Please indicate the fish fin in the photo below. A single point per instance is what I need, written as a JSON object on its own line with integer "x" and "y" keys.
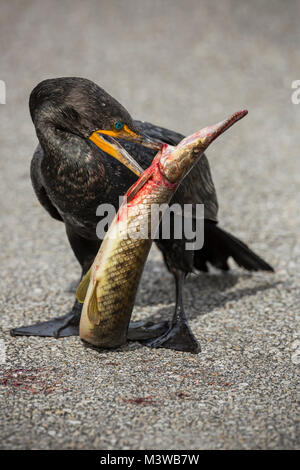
{"x": 83, "y": 287}
{"x": 141, "y": 182}
{"x": 92, "y": 308}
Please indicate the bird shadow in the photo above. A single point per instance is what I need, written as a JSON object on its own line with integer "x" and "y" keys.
{"x": 219, "y": 299}
{"x": 210, "y": 290}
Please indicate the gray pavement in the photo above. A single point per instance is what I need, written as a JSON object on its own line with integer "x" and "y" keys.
{"x": 182, "y": 65}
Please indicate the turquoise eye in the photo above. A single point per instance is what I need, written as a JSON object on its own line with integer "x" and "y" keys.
{"x": 119, "y": 125}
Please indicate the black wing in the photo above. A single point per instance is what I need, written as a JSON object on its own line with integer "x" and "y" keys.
{"x": 37, "y": 183}
{"x": 198, "y": 186}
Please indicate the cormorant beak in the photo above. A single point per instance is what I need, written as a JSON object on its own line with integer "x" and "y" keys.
{"x": 113, "y": 148}
{"x": 141, "y": 139}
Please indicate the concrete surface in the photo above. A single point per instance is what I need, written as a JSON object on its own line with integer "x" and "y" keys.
{"x": 182, "y": 65}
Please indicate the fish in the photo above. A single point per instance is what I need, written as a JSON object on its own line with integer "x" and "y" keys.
{"x": 109, "y": 288}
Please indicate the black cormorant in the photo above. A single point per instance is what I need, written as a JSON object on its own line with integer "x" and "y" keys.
{"x": 80, "y": 128}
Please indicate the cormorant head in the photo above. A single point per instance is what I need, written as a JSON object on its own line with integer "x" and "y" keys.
{"x": 81, "y": 107}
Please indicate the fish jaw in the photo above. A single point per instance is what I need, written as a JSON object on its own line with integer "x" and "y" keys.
{"x": 176, "y": 162}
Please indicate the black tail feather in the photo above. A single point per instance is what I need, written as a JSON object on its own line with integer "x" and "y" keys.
{"x": 220, "y": 245}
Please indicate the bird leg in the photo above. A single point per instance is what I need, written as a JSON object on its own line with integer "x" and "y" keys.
{"x": 179, "y": 335}
{"x": 142, "y": 331}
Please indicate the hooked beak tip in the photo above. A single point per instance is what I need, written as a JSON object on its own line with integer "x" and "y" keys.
{"x": 149, "y": 142}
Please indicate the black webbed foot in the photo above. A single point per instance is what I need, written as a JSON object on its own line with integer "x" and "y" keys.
{"x": 141, "y": 331}
{"x": 59, "y": 327}
{"x": 179, "y": 337}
